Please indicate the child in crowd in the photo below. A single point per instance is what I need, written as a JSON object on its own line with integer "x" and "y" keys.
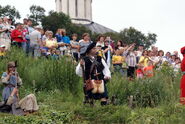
{"x": 2, "y": 51}
{"x": 140, "y": 72}
{"x": 53, "y": 55}
{"x": 149, "y": 70}
{"x": 177, "y": 65}
{"x": 75, "y": 47}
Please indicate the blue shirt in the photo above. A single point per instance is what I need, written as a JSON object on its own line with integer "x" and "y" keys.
{"x": 59, "y": 37}
{"x": 66, "y": 39}
{"x": 30, "y": 29}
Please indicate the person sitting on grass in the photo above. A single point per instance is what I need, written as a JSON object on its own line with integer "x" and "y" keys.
{"x": 11, "y": 103}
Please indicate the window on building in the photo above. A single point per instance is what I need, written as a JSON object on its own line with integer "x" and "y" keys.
{"x": 60, "y": 5}
{"x": 85, "y": 8}
{"x": 76, "y": 8}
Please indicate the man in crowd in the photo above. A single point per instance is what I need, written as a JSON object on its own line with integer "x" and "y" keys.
{"x": 35, "y": 41}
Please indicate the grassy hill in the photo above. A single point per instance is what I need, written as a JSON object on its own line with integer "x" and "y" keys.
{"x": 59, "y": 94}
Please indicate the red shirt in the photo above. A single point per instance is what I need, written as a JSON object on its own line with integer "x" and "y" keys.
{"x": 183, "y": 70}
{"x": 15, "y": 36}
{"x": 149, "y": 71}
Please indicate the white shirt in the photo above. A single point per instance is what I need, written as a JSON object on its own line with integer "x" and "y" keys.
{"x": 35, "y": 37}
{"x": 100, "y": 44}
{"x": 106, "y": 70}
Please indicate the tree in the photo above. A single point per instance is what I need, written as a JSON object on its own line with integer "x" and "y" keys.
{"x": 37, "y": 14}
{"x": 59, "y": 20}
{"x": 131, "y": 35}
{"x": 10, "y": 12}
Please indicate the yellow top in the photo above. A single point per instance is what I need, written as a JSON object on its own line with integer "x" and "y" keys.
{"x": 2, "y": 53}
{"x": 51, "y": 43}
{"x": 144, "y": 61}
{"x": 117, "y": 59}
{"x": 100, "y": 53}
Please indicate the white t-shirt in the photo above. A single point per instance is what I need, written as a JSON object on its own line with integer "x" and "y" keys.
{"x": 35, "y": 36}
{"x": 100, "y": 44}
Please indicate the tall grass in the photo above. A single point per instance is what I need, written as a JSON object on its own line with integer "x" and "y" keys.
{"x": 161, "y": 89}
{"x": 59, "y": 94}
{"x": 44, "y": 74}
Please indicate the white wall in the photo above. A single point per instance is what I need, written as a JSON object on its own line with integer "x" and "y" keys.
{"x": 64, "y": 6}
{"x": 88, "y": 9}
{"x": 72, "y": 9}
{"x": 84, "y": 10}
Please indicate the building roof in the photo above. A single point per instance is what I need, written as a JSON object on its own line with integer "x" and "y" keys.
{"x": 93, "y": 26}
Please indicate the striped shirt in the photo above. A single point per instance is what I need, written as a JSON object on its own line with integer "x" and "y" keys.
{"x": 130, "y": 58}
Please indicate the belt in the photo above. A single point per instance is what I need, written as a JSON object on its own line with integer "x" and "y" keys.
{"x": 10, "y": 85}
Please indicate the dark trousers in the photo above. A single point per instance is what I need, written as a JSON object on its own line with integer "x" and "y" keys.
{"x": 76, "y": 57}
{"x": 131, "y": 71}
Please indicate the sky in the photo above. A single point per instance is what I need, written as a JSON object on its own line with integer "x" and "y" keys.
{"x": 166, "y": 18}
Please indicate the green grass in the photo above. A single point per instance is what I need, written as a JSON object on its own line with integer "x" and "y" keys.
{"x": 59, "y": 94}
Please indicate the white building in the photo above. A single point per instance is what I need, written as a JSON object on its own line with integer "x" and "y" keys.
{"x": 76, "y": 9}
{"x": 80, "y": 12}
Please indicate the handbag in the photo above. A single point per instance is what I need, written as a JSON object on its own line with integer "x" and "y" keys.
{"x": 98, "y": 86}
{"x": 89, "y": 85}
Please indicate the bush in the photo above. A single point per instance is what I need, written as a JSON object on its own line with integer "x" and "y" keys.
{"x": 44, "y": 74}
{"x": 160, "y": 89}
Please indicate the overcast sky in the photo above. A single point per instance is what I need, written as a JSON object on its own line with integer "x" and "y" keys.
{"x": 166, "y": 18}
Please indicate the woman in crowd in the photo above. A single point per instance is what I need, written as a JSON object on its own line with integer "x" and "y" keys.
{"x": 144, "y": 59}
{"x": 84, "y": 43}
{"x": 4, "y": 33}
{"x": 161, "y": 58}
{"x": 17, "y": 36}
{"x": 64, "y": 41}
{"x": 100, "y": 41}
{"x": 12, "y": 82}
{"x": 167, "y": 57}
{"x": 58, "y": 35}
{"x": 50, "y": 42}
{"x": 119, "y": 45}
{"x": 177, "y": 64}
{"x": 95, "y": 72}
{"x": 106, "y": 48}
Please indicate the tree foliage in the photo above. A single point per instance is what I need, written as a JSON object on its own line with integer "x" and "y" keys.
{"x": 132, "y": 35}
{"x": 37, "y": 14}
{"x": 59, "y": 20}
{"x": 10, "y": 12}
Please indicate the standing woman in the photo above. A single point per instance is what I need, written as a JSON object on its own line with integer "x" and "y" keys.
{"x": 119, "y": 45}
{"x": 100, "y": 41}
{"x": 182, "y": 85}
{"x": 50, "y": 42}
{"x": 4, "y": 36}
{"x": 94, "y": 69}
{"x": 84, "y": 43}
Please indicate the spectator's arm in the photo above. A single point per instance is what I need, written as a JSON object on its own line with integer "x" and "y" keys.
{"x": 13, "y": 34}
{"x": 79, "y": 70}
{"x": 5, "y": 78}
{"x": 106, "y": 71}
